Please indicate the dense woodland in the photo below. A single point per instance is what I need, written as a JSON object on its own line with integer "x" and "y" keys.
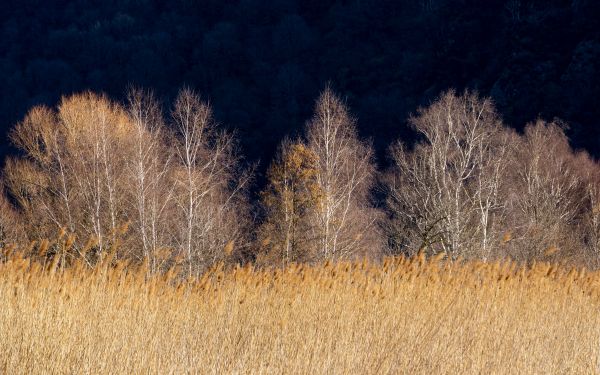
{"x": 173, "y": 188}
{"x": 261, "y": 63}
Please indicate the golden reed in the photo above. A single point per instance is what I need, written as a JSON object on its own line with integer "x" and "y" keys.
{"x": 400, "y": 316}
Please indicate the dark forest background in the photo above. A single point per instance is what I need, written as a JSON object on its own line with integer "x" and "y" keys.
{"x": 262, "y": 63}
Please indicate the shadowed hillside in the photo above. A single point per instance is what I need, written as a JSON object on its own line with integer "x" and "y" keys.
{"x": 262, "y": 63}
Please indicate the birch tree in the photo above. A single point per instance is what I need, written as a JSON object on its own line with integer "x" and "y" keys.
{"x": 589, "y": 224}
{"x": 71, "y": 175}
{"x": 152, "y": 179}
{"x": 97, "y": 135}
{"x": 210, "y": 185}
{"x": 345, "y": 173}
{"x": 548, "y": 193}
{"x": 445, "y": 192}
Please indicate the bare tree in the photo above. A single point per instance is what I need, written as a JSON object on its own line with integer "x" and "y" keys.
{"x": 150, "y": 169}
{"x": 489, "y": 188}
{"x": 547, "y": 195}
{"x": 11, "y": 230}
{"x": 95, "y": 165}
{"x": 445, "y": 192}
{"x": 97, "y": 137}
{"x": 43, "y": 200}
{"x": 209, "y": 182}
{"x": 345, "y": 172}
{"x": 589, "y": 222}
{"x": 71, "y": 175}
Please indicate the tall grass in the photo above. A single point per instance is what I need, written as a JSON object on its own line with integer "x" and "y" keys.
{"x": 402, "y": 316}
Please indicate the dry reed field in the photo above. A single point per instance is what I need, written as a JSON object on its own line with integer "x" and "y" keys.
{"x": 402, "y": 316}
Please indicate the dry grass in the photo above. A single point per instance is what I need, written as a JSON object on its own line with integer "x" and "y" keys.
{"x": 406, "y": 316}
